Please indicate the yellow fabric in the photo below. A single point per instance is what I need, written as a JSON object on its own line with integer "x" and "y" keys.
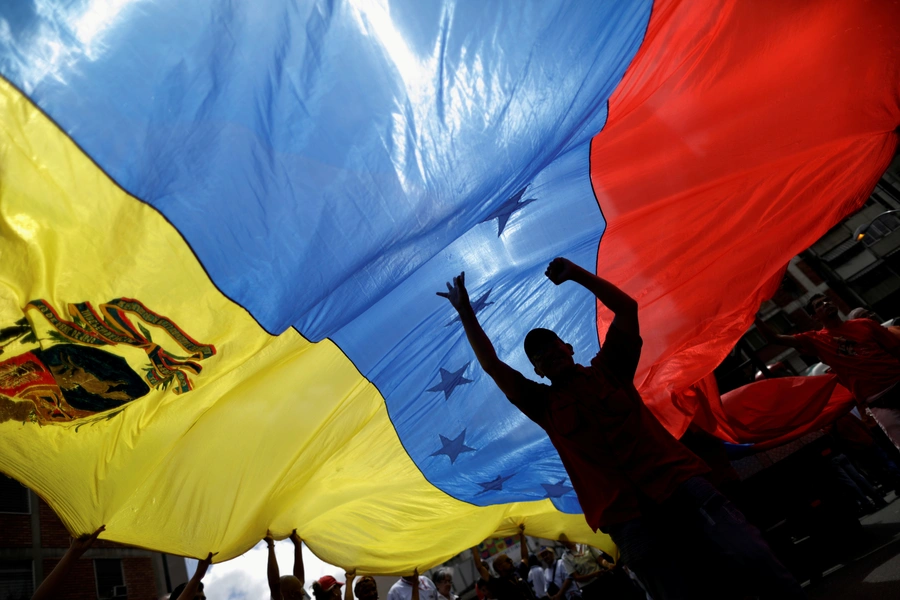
{"x": 277, "y": 433}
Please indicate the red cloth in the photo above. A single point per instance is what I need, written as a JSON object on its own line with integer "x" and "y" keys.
{"x": 770, "y": 412}
{"x": 732, "y": 145}
{"x": 612, "y": 446}
{"x": 858, "y": 352}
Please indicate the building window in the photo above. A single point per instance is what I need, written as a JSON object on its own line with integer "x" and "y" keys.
{"x": 14, "y": 498}
{"x": 110, "y": 578}
{"x": 880, "y": 228}
{"x": 16, "y": 580}
{"x": 875, "y": 283}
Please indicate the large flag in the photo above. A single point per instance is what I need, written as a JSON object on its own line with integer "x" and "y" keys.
{"x": 224, "y": 224}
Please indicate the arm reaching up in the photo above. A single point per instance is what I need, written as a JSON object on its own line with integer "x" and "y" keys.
{"x": 523, "y": 543}
{"x": 298, "y": 556}
{"x": 482, "y": 569}
{"x": 623, "y": 306}
{"x": 272, "y": 573}
{"x": 193, "y": 586}
{"x": 50, "y": 587}
{"x": 349, "y": 576}
{"x": 503, "y": 375}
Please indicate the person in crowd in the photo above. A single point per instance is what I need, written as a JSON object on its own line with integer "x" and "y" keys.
{"x": 536, "y": 578}
{"x": 506, "y": 584}
{"x": 624, "y": 465}
{"x": 481, "y": 590}
{"x": 365, "y": 588}
{"x": 193, "y": 589}
{"x": 288, "y": 587}
{"x": 413, "y": 587}
{"x": 555, "y": 573}
{"x": 327, "y": 587}
{"x": 443, "y": 581}
{"x": 53, "y": 583}
{"x": 595, "y": 574}
{"x": 862, "y": 313}
{"x": 584, "y": 569}
{"x": 865, "y": 313}
{"x": 864, "y": 355}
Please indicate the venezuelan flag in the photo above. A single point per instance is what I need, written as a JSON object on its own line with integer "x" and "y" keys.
{"x": 224, "y": 224}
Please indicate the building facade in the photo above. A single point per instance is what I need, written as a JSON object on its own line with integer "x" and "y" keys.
{"x": 33, "y": 539}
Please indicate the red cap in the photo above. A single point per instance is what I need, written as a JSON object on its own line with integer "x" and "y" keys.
{"x": 326, "y": 582}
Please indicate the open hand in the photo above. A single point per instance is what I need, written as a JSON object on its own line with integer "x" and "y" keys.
{"x": 457, "y": 293}
{"x": 80, "y": 545}
{"x": 560, "y": 270}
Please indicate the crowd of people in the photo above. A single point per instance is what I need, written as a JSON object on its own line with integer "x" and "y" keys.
{"x": 633, "y": 479}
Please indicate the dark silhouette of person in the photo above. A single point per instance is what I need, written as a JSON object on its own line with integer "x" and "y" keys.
{"x": 626, "y": 468}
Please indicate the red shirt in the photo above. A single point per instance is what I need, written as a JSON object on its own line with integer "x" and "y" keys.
{"x": 615, "y": 451}
{"x": 858, "y": 352}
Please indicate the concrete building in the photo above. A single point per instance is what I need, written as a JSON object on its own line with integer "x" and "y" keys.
{"x": 866, "y": 272}
{"x": 33, "y": 539}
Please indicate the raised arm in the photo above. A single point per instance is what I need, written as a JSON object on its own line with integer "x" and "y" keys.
{"x": 50, "y": 587}
{"x": 193, "y": 586}
{"x": 776, "y": 338}
{"x": 298, "y": 556}
{"x": 348, "y": 583}
{"x": 415, "y": 587}
{"x": 272, "y": 573}
{"x": 523, "y": 543}
{"x": 482, "y": 569}
{"x": 503, "y": 375}
{"x": 623, "y": 306}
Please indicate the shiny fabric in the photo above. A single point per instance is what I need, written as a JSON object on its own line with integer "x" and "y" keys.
{"x": 733, "y": 144}
{"x": 284, "y": 185}
{"x": 770, "y": 412}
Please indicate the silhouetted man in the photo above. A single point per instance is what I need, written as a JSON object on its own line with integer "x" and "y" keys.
{"x": 624, "y": 465}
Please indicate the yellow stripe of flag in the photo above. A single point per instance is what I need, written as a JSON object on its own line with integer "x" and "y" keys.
{"x": 274, "y": 432}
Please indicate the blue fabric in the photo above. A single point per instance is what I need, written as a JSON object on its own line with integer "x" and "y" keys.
{"x": 333, "y": 164}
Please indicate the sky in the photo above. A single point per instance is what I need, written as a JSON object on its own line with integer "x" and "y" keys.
{"x": 244, "y": 577}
